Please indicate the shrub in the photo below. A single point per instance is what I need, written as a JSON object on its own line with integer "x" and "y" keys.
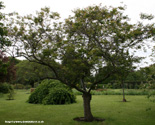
{"x": 136, "y": 86}
{"x": 100, "y": 86}
{"x": 116, "y": 85}
{"x": 59, "y": 96}
{"x": 5, "y": 87}
{"x": 36, "y": 84}
{"x": 28, "y": 86}
{"x": 109, "y": 86}
{"x": 96, "y": 92}
{"x": 11, "y": 95}
{"x": 45, "y": 90}
{"x": 19, "y": 86}
{"x": 117, "y": 92}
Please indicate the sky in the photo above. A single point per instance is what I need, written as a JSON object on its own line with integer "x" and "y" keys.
{"x": 65, "y": 8}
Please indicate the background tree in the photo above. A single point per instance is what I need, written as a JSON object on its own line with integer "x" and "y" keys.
{"x": 124, "y": 69}
{"x": 148, "y": 76}
{"x": 95, "y": 38}
{"x": 28, "y": 73}
{"x": 7, "y": 69}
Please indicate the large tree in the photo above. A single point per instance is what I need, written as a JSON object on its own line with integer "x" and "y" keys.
{"x": 7, "y": 69}
{"x": 95, "y": 38}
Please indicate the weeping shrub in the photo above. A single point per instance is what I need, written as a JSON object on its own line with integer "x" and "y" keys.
{"x": 43, "y": 92}
{"x": 59, "y": 96}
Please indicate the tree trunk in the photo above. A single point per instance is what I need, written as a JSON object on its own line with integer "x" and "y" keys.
{"x": 87, "y": 110}
{"x": 124, "y": 100}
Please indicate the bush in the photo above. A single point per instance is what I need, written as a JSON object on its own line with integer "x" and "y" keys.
{"x": 116, "y": 85}
{"x": 19, "y": 86}
{"x": 136, "y": 86}
{"x": 5, "y": 87}
{"x": 28, "y": 86}
{"x": 44, "y": 92}
{"x": 11, "y": 95}
{"x": 116, "y": 92}
{"x": 93, "y": 92}
{"x": 36, "y": 84}
{"x": 59, "y": 96}
{"x": 108, "y": 86}
{"x": 100, "y": 86}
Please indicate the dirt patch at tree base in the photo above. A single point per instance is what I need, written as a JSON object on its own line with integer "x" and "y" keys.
{"x": 124, "y": 100}
{"x": 82, "y": 119}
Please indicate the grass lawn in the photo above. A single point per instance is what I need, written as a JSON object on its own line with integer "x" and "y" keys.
{"x": 137, "y": 111}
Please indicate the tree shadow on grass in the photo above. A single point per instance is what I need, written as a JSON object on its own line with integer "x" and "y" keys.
{"x": 82, "y": 119}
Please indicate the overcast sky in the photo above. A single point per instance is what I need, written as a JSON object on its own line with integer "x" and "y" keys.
{"x": 65, "y": 7}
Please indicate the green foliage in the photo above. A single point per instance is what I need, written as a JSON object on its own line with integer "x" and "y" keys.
{"x": 145, "y": 77}
{"x": 59, "y": 96}
{"x": 146, "y": 16}
{"x": 95, "y": 38}
{"x": 118, "y": 92}
{"x": 7, "y": 69}
{"x": 28, "y": 86}
{"x": 5, "y": 88}
{"x": 19, "y": 86}
{"x": 109, "y": 86}
{"x": 151, "y": 96}
{"x": 152, "y": 86}
{"x": 28, "y": 73}
{"x": 3, "y": 30}
{"x": 116, "y": 85}
{"x": 51, "y": 92}
{"x": 11, "y": 94}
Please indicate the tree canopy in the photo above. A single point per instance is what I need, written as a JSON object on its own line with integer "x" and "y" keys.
{"x": 3, "y": 30}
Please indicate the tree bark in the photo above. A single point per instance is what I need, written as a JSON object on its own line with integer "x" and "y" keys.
{"x": 124, "y": 100}
{"x": 87, "y": 109}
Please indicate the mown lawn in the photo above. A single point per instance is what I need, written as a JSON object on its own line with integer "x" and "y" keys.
{"x": 137, "y": 111}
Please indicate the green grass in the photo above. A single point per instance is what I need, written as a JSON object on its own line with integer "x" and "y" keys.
{"x": 137, "y": 111}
